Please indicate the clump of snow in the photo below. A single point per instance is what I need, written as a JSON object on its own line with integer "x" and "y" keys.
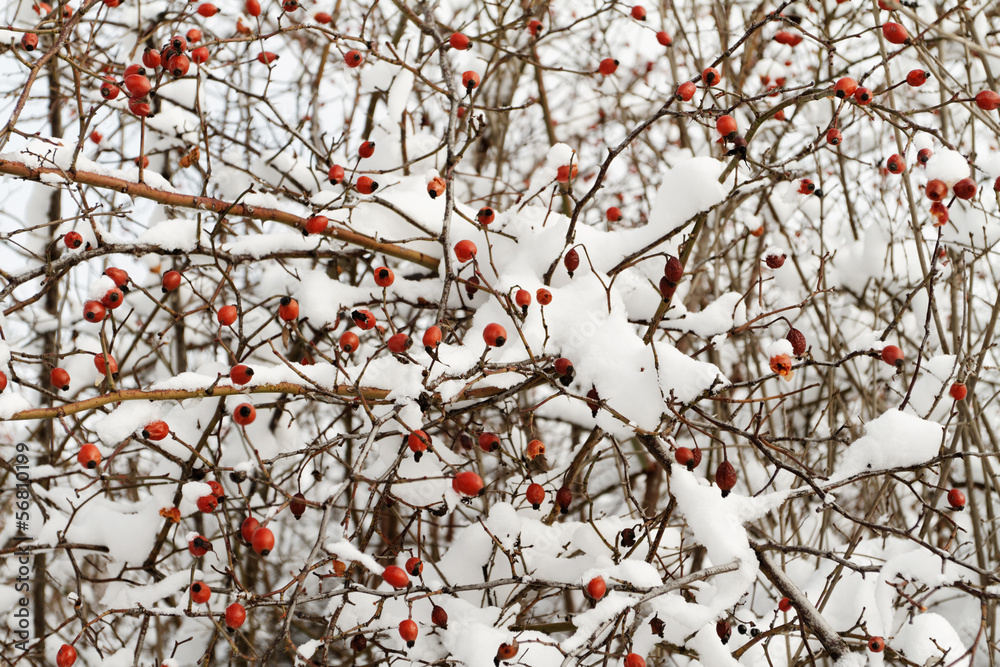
{"x": 892, "y": 440}
{"x": 948, "y": 166}
{"x": 778, "y": 346}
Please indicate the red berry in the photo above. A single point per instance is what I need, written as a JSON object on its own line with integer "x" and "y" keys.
{"x": 936, "y": 190}
{"x": 470, "y": 80}
{"x": 178, "y": 65}
{"x": 863, "y": 96}
{"x": 876, "y": 644}
{"x": 200, "y": 592}
{"x": 59, "y": 378}
{"x": 336, "y": 174}
{"x": 785, "y": 604}
{"x": 298, "y": 505}
{"x": 137, "y": 84}
{"x": 596, "y": 588}
{"x": 725, "y": 477}
{"x": 958, "y": 391}
{"x": 673, "y": 271}
{"x": 263, "y": 541}
{"x": 895, "y": 164}
{"x": 439, "y": 617}
{"x": 240, "y": 374}
{"x": 467, "y": 483}
{"x": 267, "y": 57}
{"x": 365, "y": 185}
{"x": 236, "y": 615}
{"x": 248, "y": 528}
{"x": 845, "y": 87}
{"x": 564, "y": 498}
{"x": 664, "y": 38}
{"x": 634, "y": 660}
{"x": 399, "y": 343}
{"x": 608, "y": 66}
{"x": 543, "y": 296}
{"x": 367, "y": 149}
{"x": 73, "y": 240}
{"x": 923, "y": 155}
{"x": 684, "y": 456}
{"x": 956, "y": 499}
{"x": 89, "y": 456}
{"x": 489, "y": 442}
{"x": 418, "y": 441}
{"x": 566, "y": 173}
{"x": 436, "y": 187}
{"x": 408, "y": 631}
{"x": 458, "y": 41}
{"x": 988, "y": 100}
{"x": 396, "y": 577}
{"x": 109, "y": 90}
{"x": 892, "y": 355}
{"x": 494, "y": 335}
{"x": 485, "y": 216}
{"x": 833, "y": 136}
{"x": 29, "y": 41}
{"x": 66, "y": 656}
{"x": 207, "y": 9}
{"x": 686, "y": 91}
{"x": 227, "y": 315}
{"x": 432, "y": 337}
{"x": 199, "y": 546}
{"x": 353, "y": 58}
{"x": 806, "y": 187}
{"x": 465, "y": 250}
{"x": 711, "y": 76}
{"x": 99, "y": 363}
{"x": 252, "y": 7}
{"x": 171, "y": 281}
{"x": 414, "y": 566}
{"x": 917, "y": 77}
{"x": 726, "y": 125}
{"x": 965, "y": 189}
{"x": 208, "y": 504}
{"x": 365, "y": 319}
{"x": 894, "y": 33}
{"x": 535, "y": 495}
{"x": 94, "y": 311}
{"x": 639, "y": 13}
{"x": 317, "y": 224}
{"x": 535, "y": 449}
{"x": 157, "y": 430}
{"x": 614, "y": 214}
{"x": 244, "y": 414}
{"x": 288, "y": 308}
{"x": 571, "y": 261}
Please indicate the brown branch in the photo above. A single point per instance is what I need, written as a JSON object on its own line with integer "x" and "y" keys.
{"x": 211, "y": 204}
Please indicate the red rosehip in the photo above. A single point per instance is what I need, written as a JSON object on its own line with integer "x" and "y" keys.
{"x": 59, "y": 378}
{"x": 596, "y": 588}
{"x": 236, "y": 614}
{"x": 711, "y": 76}
{"x": 892, "y": 355}
{"x": 353, "y": 58}
{"x": 467, "y": 483}
{"x": 89, "y": 456}
{"x": 458, "y": 41}
{"x": 244, "y": 414}
{"x": 494, "y": 335}
{"x": 200, "y": 592}
{"x": 894, "y": 33}
{"x": 686, "y": 91}
{"x": 396, "y": 577}
{"x": 535, "y": 495}
{"x": 845, "y": 87}
{"x": 958, "y": 391}
{"x": 956, "y": 499}
{"x": 288, "y": 308}
{"x": 988, "y": 100}
{"x": 607, "y": 66}
{"x": 263, "y": 541}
